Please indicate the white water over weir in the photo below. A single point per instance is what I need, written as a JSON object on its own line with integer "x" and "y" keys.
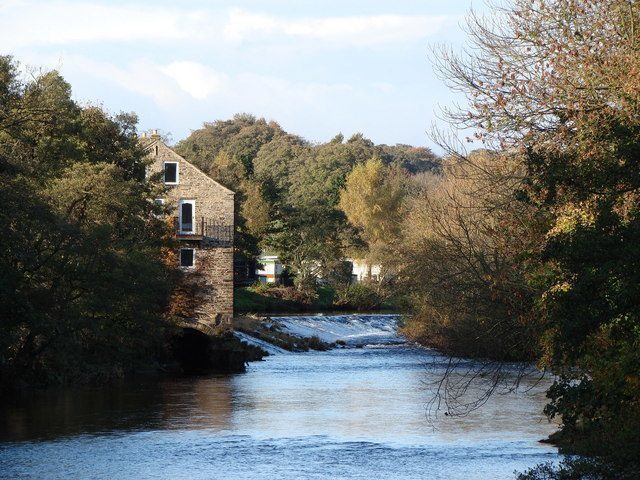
{"x": 353, "y": 329}
{"x": 370, "y": 329}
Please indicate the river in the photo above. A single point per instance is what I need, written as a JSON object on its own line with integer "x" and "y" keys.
{"x": 357, "y": 413}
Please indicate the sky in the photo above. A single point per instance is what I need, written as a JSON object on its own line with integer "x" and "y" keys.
{"x": 317, "y": 67}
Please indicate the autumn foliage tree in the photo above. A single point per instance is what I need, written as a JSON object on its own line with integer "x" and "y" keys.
{"x": 373, "y": 202}
{"x": 556, "y": 83}
{"x": 461, "y": 258}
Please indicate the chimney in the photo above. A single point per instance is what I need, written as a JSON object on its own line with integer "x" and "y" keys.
{"x": 155, "y": 133}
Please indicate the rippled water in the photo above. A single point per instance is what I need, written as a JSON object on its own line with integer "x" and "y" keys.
{"x": 346, "y": 413}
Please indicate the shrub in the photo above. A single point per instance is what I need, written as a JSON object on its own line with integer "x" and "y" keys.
{"x": 358, "y": 296}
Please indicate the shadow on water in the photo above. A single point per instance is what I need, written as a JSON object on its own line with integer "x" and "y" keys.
{"x": 193, "y": 351}
{"x": 200, "y": 402}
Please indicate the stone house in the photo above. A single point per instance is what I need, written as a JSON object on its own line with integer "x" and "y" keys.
{"x": 203, "y": 224}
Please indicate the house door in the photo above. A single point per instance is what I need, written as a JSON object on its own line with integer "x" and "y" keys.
{"x": 187, "y": 215}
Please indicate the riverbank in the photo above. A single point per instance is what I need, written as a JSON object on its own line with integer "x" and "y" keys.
{"x": 274, "y": 300}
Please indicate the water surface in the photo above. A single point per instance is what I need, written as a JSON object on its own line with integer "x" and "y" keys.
{"x": 356, "y": 413}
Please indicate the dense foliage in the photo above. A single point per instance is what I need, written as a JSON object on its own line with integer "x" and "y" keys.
{"x": 289, "y": 189}
{"x": 462, "y": 261}
{"x": 554, "y": 86}
{"x": 82, "y": 281}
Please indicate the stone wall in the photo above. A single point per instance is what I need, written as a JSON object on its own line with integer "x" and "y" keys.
{"x": 212, "y": 199}
{"x": 216, "y": 266}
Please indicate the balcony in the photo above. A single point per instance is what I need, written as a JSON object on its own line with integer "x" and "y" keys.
{"x": 204, "y": 229}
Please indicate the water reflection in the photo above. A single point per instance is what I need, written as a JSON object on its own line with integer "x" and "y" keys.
{"x": 378, "y": 394}
{"x": 127, "y": 406}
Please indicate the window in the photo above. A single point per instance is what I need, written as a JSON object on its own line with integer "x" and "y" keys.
{"x": 187, "y": 257}
{"x": 171, "y": 172}
{"x": 186, "y": 214}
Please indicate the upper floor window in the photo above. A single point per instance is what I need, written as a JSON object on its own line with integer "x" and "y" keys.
{"x": 171, "y": 173}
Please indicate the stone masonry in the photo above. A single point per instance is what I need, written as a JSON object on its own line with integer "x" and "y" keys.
{"x": 212, "y": 236}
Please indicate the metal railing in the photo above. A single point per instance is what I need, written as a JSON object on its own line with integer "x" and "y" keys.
{"x": 203, "y": 228}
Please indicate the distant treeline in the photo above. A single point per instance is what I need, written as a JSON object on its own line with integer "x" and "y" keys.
{"x": 288, "y": 190}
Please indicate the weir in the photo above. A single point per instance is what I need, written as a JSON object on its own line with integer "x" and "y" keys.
{"x": 350, "y": 330}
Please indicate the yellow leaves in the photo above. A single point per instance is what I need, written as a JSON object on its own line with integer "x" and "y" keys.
{"x": 570, "y": 217}
{"x": 372, "y": 200}
{"x": 561, "y": 287}
{"x": 547, "y": 346}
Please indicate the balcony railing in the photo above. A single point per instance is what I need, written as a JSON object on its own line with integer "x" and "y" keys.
{"x": 204, "y": 229}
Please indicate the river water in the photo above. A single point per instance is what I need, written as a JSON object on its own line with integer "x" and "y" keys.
{"x": 358, "y": 413}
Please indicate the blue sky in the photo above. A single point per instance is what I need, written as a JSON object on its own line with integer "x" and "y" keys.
{"x": 316, "y": 67}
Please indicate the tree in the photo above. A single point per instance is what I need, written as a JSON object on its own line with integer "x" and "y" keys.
{"x": 82, "y": 283}
{"x": 412, "y": 159}
{"x": 557, "y": 83}
{"x": 462, "y": 253}
{"x": 275, "y": 163}
{"x": 372, "y": 201}
{"x": 255, "y": 209}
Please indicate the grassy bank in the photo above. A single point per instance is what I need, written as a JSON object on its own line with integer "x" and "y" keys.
{"x": 261, "y": 300}
{"x": 275, "y": 299}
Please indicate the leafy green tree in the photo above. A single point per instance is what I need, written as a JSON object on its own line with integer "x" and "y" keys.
{"x": 241, "y": 138}
{"x": 275, "y": 162}
{"x": 412, "y": 159}
{"x": 82, "y": 282}
{"x": 255, "y": 209}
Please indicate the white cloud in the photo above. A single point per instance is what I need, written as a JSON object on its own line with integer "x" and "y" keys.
{"x": 356, "y": 30}
{"x": 26, "y": 23}
{"x": 140, "y": 77}
{"x": 196, "y": 79}
{"x": 267, "y": 93}
{"x": 185, "y": 84}
{"x": 182, "y": 85}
